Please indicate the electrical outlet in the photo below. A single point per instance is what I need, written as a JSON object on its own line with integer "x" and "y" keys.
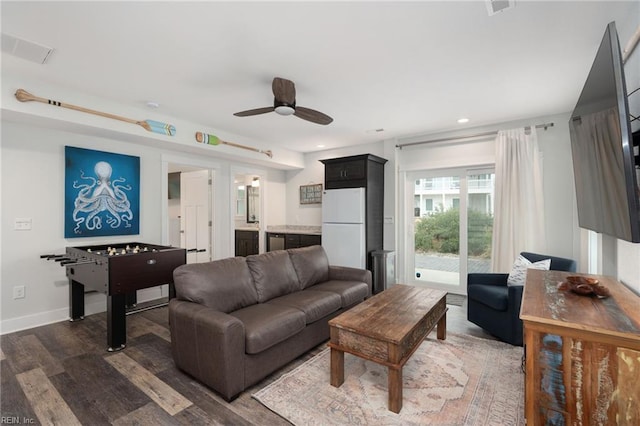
{"x": 18, "y": 292}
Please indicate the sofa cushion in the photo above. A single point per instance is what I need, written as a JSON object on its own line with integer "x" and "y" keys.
{"x": 273, "y": 274}
{"x": 311, "y": 265}
{"x": 266, "y": 325}
{"x": 224, "y": 285}
{"x": 495, "y": 297}
{"x": 350, "y": 292}
{"x": 314, "y": 304}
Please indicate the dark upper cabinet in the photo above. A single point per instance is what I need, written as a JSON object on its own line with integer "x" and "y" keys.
{"x": 357, "y": 171}
{"x": 246, "y": 242}
{"x": 361, "y": 171}
{"x": 351, "y": 173}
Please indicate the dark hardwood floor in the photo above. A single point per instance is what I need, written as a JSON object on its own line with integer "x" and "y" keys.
{"x": 61, "y": 374}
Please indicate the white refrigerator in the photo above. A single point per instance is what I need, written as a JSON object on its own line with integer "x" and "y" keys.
{"x": 343, "y": 227}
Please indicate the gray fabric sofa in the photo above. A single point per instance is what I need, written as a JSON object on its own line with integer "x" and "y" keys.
{"x": 235, "y": 321}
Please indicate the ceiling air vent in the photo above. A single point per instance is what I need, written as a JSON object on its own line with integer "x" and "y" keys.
{"x": 495, "y": 6}
{"x": 24, "y": 49}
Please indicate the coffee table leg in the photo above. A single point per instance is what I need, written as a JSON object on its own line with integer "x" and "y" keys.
{"x": 337, "y": 367}
{"x": 442, "y": 327}
{"x": 395, "y": 389}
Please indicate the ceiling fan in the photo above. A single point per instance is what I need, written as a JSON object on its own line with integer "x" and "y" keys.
{"x": 284, "y": 103}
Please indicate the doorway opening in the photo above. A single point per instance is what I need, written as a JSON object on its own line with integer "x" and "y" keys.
{"x": 247, "y": 213}
{"x": 190, "y": 211}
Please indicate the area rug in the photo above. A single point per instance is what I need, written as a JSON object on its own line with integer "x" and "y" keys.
{"x": 463, "y": 380}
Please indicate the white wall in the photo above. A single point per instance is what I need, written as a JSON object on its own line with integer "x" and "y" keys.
{"x": 555, "y": 146}
{"x": 33, "y": 187}
{"x": 313, "y": 173}
{"x": 564, "y": 238}
{"x": 32, "y": 183}
{"x": 32, "y": 166}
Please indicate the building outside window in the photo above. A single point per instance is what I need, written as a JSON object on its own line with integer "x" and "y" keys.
{"x": 442, "y": 193}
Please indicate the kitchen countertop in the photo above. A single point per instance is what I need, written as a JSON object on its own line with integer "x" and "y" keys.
{"x": 295, "y": 229}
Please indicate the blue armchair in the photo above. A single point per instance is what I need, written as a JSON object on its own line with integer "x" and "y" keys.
{"x": 495, "y": 307}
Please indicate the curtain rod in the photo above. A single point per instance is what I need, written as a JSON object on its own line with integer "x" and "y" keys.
{"x": 477, "y": 135}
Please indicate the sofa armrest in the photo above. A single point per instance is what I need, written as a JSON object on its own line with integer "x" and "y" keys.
{"x": 345, "y": 273}
{"x": 487, "y": 279}
{"x": 209, "y": 345}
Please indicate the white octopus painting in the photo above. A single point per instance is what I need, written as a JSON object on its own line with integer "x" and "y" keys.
{"x": 102, "y": 193}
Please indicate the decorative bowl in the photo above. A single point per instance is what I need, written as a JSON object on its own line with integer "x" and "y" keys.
{"x": 579, "y": 280}
{"x": 584, "y": 286}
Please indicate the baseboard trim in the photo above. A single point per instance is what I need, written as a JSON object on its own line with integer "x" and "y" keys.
{"x": 26, "y": 322}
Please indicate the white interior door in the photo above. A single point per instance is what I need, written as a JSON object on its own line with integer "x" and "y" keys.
{"x": 195, "y": 218}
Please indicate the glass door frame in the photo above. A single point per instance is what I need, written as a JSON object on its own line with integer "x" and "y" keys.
{"x": 408, "y": 217}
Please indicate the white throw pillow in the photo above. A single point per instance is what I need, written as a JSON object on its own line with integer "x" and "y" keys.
{"x": 519, "y": 271}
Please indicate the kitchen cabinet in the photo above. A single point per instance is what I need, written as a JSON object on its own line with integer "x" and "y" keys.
{"x": 284, "y": 241}
{"x": 246, "y": 242}
{"x": 310, "y": 240}
{"x": 301, "y": 240}
{"x": 345, "y": 173}
{"x": 582, "y": 353}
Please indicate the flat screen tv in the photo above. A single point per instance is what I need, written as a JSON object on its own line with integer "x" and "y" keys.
{"x": 607, "y": 191}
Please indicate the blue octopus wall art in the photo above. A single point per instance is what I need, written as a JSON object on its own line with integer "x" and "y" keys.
{"x": 105, "y": 201}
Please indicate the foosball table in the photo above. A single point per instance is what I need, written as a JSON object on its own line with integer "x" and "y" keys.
{"x": 117, "y": 271}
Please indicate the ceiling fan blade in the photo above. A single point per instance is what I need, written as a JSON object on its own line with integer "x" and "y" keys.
{"x": 256, "y": 111}
{"x": 312, "y": 115}
{"x": 284, "y": 90}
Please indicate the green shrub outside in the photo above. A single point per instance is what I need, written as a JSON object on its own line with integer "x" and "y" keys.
{"x": 440, "y": 232}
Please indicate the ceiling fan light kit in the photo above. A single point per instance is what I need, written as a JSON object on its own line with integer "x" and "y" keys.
{"x": 284, "y": 103}
{"x": 284, "y": 109}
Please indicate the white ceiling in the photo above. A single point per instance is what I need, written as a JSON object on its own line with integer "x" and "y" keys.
{"x": 408, "y": 68}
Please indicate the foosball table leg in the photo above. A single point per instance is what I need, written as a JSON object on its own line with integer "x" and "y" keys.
{"x": 116, "y": 322}
{"x": 76, "y": 301}
{"x": 132, "y": 299}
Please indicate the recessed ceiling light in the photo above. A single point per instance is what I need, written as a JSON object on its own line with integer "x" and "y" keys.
{"x": 320, "y": 146}
{"x": 153, "y": 105}
{"x": 463, "y": 120}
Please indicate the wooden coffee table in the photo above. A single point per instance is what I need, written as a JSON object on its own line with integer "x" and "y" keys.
{"x": 387, "y": 329}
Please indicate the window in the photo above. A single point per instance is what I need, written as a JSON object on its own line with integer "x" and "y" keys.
{"x": 428, "y": 204}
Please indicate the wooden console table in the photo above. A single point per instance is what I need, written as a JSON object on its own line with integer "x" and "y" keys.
{"x": 582, "y": 353}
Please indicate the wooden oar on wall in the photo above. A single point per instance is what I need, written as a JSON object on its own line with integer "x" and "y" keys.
{"x": 148, "y": 125}
{"x": 214, "y": 140}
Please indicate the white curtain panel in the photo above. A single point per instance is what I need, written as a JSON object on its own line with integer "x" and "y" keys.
{"x": 519, "y": 205}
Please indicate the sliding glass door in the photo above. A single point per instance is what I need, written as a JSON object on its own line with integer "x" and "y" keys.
{"x": 452, "y": 222}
